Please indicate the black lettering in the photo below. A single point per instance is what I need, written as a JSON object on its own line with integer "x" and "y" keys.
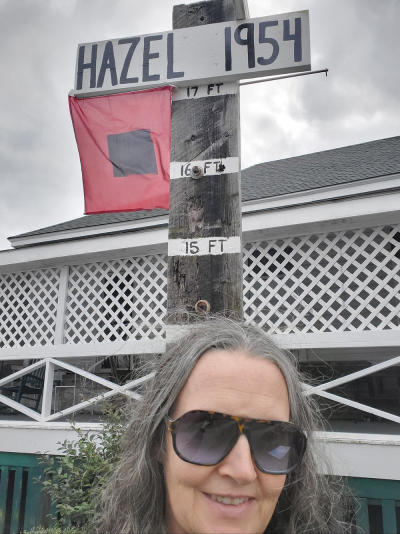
{"x": 222, "y": 241}
{"x": 206, "y": 165}
{"x": 147, "y": 56}
{"x": 269, "y": 40}
{"x": 128, "y": 58}
{"x": 194, "y": 249}
{"x": 82, "y": 66}
{"x": 170, "y": 59}
{"x": 228, "y": 48}
{"x": 210, "y": 87}
{"x": 211, "y": 244}
{"x": 188, "y": 170}
{"x": 296, "y": 37}
{"x": 248, "y": 41}
{"x": 108, "y": 63}
{"x": 218, "y": 85}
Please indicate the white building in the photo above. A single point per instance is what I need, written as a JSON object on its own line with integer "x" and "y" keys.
{"x": 321, "y": 258}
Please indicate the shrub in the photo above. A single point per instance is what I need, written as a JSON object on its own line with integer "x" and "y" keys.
{"x": 75, "y": 480}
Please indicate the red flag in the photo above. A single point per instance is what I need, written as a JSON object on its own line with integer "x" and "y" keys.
{"x": 124, "y": 145}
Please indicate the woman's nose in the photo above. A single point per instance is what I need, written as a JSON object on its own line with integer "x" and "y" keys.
{"x": 239, "y": 464}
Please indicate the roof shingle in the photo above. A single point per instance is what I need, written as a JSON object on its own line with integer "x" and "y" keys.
{"x": 274, "y": 178}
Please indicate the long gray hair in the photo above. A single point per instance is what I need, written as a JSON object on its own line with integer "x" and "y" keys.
{"x": 134, "y": 500}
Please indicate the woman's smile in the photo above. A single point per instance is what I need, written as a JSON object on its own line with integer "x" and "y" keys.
{"x": 230, "y": 506}
{"x": 227, "y": 499}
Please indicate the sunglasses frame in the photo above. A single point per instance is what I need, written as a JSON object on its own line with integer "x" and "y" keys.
{"x": 242, "y": 424}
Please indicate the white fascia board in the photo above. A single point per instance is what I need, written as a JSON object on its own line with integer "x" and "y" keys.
{"x": 90, "y": 231}
{"x": 371, "y": 210}
{"x": 371, "y": 185}
{"x": 318, "y": 340}
{"x": 356, "y": 438}
{"x": 44, "y": 438}
{"x": 84, "y": 350}
{"x": 387, "y": 340}
{"x": 258, "y": 223}
{"x": 360, "y": 455}
{"x": 339, "y": 340}
{"x": 99, "y": 248}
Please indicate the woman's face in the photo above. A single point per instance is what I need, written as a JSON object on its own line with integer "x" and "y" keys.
{"x": 235, "y": 383}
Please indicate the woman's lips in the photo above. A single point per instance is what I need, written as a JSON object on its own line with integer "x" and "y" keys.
{"x": 233, "y": 501}
{"x": 231, "y": 505}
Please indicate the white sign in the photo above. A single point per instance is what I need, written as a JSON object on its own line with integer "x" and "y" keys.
{"x": 197, "y": 169}
{"x": 225, "y": 51}
{"x": 204, "y": 246}
{"x": 191, "y": 92}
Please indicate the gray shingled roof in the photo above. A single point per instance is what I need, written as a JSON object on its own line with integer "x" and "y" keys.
{"x": 322, "y": 169}
{"x": 274, "y": 178}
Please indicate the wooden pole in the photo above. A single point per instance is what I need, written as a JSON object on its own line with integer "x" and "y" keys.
{"x": 204, "y": 248}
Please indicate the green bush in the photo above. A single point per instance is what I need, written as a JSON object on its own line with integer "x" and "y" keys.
{"x": 75, "y": 480}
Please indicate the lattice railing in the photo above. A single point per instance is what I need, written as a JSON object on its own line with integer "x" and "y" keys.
{"x": 333, "y": 282}
{"x": 116, "y": 300}
{"x": 340, "y": 281}
{"x": 28, "y": 303}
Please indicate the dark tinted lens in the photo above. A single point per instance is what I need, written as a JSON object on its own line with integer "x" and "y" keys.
{"x": 204, "y": 439}
{"x": 277, "y": 447}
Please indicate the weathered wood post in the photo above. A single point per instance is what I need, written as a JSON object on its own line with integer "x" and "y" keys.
{"x": 204, "y": 247}
{"x": 204, "y": 243}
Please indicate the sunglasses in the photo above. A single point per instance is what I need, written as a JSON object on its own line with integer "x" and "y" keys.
{"x": 206, "y": 438}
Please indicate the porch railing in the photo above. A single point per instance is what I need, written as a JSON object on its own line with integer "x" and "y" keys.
{"x": 342, "y": 283}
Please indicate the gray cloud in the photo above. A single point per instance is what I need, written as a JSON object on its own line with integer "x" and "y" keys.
{"x": 358, "y": 101}
{"x": 40, "y": 180}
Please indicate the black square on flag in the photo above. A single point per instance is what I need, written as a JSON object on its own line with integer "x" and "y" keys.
{"x": 132, "y": 153}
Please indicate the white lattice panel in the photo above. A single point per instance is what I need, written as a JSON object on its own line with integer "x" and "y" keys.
{"x": 28, "y": 304}
{"x": 116, "y": 300}
{"x": 333, "y": 282}
{"x": 342, "y": 281}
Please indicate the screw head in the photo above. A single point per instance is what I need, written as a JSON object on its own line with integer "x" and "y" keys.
{"x": 197, "y": 172}
{"x": 202, "y": 307}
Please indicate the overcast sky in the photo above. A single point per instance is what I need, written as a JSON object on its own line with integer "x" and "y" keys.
{"x": 40, "y": 181}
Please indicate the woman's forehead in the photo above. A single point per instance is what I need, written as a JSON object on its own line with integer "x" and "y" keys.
{"x": 237, "y": 383}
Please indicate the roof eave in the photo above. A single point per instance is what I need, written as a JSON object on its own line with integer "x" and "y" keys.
{"x": 360, "y": 188}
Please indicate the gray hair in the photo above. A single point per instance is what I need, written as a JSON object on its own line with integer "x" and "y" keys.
{"x": 134, "y": 500}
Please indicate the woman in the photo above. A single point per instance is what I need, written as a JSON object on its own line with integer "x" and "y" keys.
{"x": 222, "y": 444}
